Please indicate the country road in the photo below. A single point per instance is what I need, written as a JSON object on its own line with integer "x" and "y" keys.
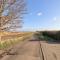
{"x": 33, "y": 49}
{"x": 30, "y": 50}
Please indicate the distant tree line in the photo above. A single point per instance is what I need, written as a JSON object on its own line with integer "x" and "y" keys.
{"x": 52, "y": 34}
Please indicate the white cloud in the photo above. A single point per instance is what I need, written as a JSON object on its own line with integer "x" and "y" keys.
{"x": 54, "y": 18}
{"x": 40, "y": 13}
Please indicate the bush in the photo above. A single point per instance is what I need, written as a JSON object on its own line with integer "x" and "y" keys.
{"x": 53, "y": 35}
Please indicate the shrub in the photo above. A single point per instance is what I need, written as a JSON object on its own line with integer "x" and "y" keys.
{"x": 53, "y": 35}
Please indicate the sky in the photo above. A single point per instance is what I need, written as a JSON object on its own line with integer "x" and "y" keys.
{"x": 42, "y": 15}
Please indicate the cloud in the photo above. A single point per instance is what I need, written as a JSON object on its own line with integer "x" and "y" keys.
{"x": 40, "y": 13}
{"x": 54, "y": 18}
{"x": 56, "y": 21}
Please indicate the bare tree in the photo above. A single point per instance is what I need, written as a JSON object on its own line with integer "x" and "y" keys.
{"x": 11, "y": 14}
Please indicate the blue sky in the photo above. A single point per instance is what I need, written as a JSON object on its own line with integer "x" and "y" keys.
{"x": 42, "y": 15}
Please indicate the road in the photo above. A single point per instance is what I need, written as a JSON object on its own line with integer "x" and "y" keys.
{"x": 33, "y": 49}
{"x": 51, "y": 50}
{"x": 30, "y": 50}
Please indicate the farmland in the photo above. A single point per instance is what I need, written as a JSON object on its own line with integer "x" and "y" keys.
{"x": 11, "y": 38}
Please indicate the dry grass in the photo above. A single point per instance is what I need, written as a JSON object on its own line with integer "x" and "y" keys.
{"x": 11, "y": 38}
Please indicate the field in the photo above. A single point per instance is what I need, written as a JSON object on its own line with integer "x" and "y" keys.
{"x": 11, "y": 38}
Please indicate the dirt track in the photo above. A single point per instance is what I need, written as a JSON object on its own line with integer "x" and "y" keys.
{"x": 28, "y": 51}
{"x": 31, "y": 50}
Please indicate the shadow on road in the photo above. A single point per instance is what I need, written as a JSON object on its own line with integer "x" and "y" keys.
{"x": 34, "y": 40}
{"x": 53, "y": 42}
